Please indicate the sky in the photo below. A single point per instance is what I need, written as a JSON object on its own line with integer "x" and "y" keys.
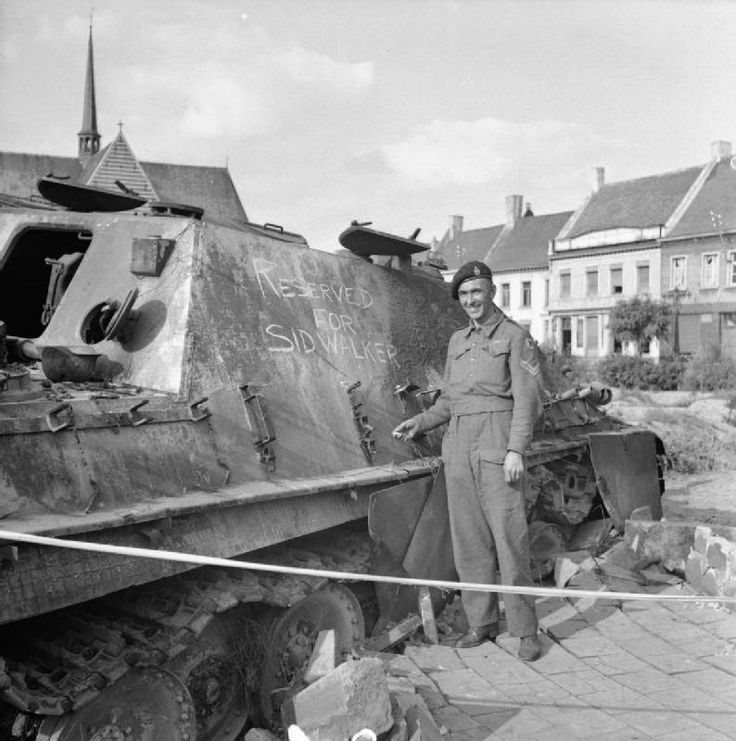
{"x": 398, "y": 112}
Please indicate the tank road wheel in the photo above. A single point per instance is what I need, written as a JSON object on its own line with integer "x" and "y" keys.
{"x": 146, "y": 705}
{"x": 292, "y": 638}
{"x": 214, "y": 679}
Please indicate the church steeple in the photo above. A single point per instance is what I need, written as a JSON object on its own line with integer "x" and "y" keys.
{"x": 88, "y": 136}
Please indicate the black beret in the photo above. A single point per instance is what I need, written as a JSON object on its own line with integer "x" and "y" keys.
{"x": 469, "y": 271}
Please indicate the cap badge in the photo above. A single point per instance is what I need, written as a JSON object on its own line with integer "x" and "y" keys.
{"x": 476, "y": 270}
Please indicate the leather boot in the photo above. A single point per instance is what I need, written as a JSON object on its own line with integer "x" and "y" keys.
{"x": 530, "y": 648}
{"x": 476, "y": 636}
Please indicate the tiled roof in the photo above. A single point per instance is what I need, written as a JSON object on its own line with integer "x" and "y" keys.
{"x": 642, "y": 202}
{"x": 713, "y": 209}
{"x": 117, "y": 162}
{"x": 19, "y": 172}
{"x": 526, "y": 245}
{"x": 210, "y": 188}
{"x": 472, "y": 244}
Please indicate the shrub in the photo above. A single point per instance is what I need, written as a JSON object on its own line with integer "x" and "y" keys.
{"x": 629, "y": 372}
{"x": 693, "y": 451}
{"x": 709, "y": 371}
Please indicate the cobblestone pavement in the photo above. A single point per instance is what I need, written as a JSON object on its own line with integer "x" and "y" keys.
{"x": 637, "y": 670}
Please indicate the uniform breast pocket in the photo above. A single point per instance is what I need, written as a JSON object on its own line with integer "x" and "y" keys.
{"x": 497, "y": 353}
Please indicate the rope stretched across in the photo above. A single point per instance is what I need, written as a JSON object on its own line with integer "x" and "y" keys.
{"x": 190, "y": 558}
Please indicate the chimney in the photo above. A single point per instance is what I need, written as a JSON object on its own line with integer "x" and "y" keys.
{"x": 456, "y": 226}
{"x": 599, "y": 178}
{"x": 528, "y": 209}
{"x": 514, "y": 204}
{"x": 719, "y": 150}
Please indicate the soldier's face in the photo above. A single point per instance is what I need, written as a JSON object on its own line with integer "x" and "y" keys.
{"x": 476, "y": 298}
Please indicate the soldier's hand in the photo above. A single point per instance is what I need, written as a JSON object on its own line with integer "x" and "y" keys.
{"x": 513, "y": 467}
{"x": 407, "y": 430}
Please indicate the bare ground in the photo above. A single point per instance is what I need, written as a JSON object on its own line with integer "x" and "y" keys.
{"x": 699, "y": 433}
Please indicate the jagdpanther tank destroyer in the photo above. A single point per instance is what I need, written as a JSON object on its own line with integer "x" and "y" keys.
{"x": 176, "y": 383}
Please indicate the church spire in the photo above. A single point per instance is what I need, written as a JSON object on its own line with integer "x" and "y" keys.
{"x": 88, "y": 136}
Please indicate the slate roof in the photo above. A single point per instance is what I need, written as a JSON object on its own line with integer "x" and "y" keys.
{"x": 472, "y": 244}
{"x": 713, "y": 209}
{"x": 20, "y": 171}
{"x": 210, "y": 188}
{"x": 642, "y": 202}
{"x": 526, "y": 246}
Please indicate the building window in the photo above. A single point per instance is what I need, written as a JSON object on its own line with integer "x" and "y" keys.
{"x": 591, "y": 282}
{"x": 617, "y": 280}
{"x": 526, "y": 293}
{"x": 709, "y": 270}
{"x": 564, "y": 285}
{"x": 546, "y": 291}
{"x": 545, "y": 334}
{"x": 505, "y": 295}
{"x": 678, "y": 272}
{"x": 642, "y": 278}
{"x": 731, "y": 269}
{"x": 566, "y": 334}
{"x": 591, "y": 335}
{"x": 579, "y": 332}
{"x": 729, "y": 320}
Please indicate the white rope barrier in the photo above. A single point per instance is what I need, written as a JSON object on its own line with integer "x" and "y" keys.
{"x": 189, "y": 558}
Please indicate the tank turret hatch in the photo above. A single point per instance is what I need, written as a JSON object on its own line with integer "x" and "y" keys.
{"x": 362, "y": 241}
{"x": 84, "y": 198}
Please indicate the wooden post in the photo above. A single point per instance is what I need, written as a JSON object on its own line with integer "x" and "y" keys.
{"x": 427, "y": 612}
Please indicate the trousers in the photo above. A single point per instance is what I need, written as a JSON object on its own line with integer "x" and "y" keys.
{"x": 487, "y": 520}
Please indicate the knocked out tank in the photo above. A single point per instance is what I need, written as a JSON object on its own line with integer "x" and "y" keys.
{"x": 221, "y": 389}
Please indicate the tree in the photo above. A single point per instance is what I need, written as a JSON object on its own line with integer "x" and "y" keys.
{"x": 640, "y": 320}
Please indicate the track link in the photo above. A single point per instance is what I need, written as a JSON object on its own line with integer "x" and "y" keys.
{"x": 57, "y": 663}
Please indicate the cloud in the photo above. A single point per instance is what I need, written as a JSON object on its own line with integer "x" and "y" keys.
{"x": 308, "y": 67}
{"x": 491, "y": 150}
{"x": 220, "y": 89}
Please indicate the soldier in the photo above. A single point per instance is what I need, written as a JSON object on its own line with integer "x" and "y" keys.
{"x": 491, "y": 399}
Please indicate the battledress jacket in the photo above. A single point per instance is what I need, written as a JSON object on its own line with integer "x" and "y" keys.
{"x": 491, "y": 368}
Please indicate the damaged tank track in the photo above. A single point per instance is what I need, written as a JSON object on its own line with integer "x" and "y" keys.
{"x": 220, "y": 389}
{"x": 194, "y": 629}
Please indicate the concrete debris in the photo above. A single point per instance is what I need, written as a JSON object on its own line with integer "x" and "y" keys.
{"x": 711, "y": 563}
{"x": 350, "y": 698}
{"x": 324, "y": 657}
{"x": 705, "y": 556}
{"x": 659, "y": 542}
{"x": 568, "y": 564}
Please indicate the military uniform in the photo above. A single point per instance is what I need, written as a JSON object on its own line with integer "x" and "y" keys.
{"x": 490, "y": 400}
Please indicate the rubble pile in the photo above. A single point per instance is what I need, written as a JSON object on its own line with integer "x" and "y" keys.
{"x": 377, "y": 694}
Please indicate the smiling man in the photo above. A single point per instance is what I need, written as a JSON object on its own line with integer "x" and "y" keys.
{"x": 490, "y": 400}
